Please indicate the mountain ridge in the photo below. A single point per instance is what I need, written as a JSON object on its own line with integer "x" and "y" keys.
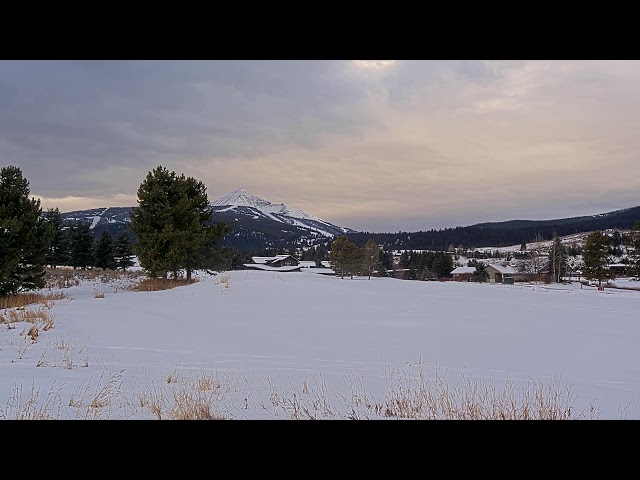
{"x": 259, "y": 224}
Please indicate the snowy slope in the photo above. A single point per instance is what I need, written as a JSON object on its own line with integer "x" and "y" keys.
{"x": 263, "y": 336}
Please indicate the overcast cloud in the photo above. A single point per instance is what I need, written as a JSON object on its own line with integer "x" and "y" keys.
{"x": 372, "y": 145}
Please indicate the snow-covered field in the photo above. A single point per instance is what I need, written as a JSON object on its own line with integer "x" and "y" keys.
{"x": 263, "y": 344}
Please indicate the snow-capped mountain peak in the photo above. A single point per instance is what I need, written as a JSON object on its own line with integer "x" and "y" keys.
{"x": 240, "y": 197}
{"x": 242, "y": 201}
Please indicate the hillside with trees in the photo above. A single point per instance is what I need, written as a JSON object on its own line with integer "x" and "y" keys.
{"x": 499, "y": 234}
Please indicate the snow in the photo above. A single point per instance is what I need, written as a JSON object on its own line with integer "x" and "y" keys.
{"x": 269, "y": 268}
{"x": 463, "y": 270}
{"x": 95, "y": 221}
{"x": 265, "y": 335}
{"x": 504, "y": 269}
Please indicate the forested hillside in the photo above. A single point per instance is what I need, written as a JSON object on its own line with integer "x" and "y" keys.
{"x": 500, "y": 234}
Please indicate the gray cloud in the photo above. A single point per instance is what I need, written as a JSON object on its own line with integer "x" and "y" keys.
{"x": 405, "y": 145}
{"x": 74, "y": 118}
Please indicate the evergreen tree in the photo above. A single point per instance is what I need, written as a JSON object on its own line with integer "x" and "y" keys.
{"x": 442, "y": 265}
{"x": 404, "y": 260}
{"x": 151, "y": 221}
{"x": 370, "y": 254}
{"x": 81, "y": 245}
{"x": 596, "y": 257}
{"x": 480, "y": 275}
{"x": 386, "y": 262}
{"x": 319, "y": 255}
{"x": 122, "y": 252}
{"x": 23, "y": 235}
{"x": 172, "y": 223}
{"x": 209, "y": 255}
{"x": 344, "y": 256}
{"x": 557, "y": 260}
{"x": 103, "y": 252}
{"x": 634, "y": 251}
{"x": 57, "y": 249}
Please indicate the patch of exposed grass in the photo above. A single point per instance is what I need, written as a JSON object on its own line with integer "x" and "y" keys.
{"x": 155, "y": 284}
{"x": 65, "y": 277}
{"x": 30, "y": 298}
{"x": 30, "y": 315}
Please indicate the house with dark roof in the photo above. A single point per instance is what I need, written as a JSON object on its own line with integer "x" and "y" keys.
{"x": 280, "y": 263}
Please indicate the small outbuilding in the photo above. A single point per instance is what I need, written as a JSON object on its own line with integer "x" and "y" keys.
{"x": 463, "y": 274}
{"x": 501, "y": 273}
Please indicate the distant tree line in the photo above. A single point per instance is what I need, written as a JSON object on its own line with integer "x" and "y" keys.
{"x": 425, "y": 265}
{"x": 501, "y": 234}
{"x": 72, "y": 244}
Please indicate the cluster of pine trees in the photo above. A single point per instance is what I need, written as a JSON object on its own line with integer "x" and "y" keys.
{"x": 172, "y": 226}
{"x": 347, "y": 258}
{"x": 30, "y": 239}
{"x": 425, "y": 265}
{"x": 600, "y": 247}
{"x": 72, "y": 244}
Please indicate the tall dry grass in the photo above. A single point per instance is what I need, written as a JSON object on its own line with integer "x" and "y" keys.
{"x": 29, "y": 298}
{"x": 155, "y": 284}
{"x": 214, "y": 396}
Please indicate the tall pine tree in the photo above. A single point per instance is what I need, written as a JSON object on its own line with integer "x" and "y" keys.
{"x": 22, "y": 235}
{"x": 557, "y": 260}
{"x": 634, "y": 251}
{"x": 81, "y": 245}
{"x": 345, "y": 256}
{"x": 370, "y": 253}
{"x": 172, "y": 223}
{"x": 595, "y": 256}
{"x": 57, "y": 247}
{"x": 122, "y": 252}
{"x": 103, "y": 253}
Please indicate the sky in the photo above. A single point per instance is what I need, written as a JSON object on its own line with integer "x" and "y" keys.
{"x": 268, "y": 345}
{"x": 373, "y": 145}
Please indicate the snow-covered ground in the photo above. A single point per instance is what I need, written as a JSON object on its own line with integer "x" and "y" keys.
{"x": 262, "y": 344}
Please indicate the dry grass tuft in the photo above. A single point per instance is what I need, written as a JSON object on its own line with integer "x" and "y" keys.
{"x": 411, "y": 395}
{"x": 98, "y": 295}
{"x": 181, "y": 396}
{"x": 94, "y": 402}
{"x": 30, "y": 408}
{"x": 155, "y": 284}
{"x": 24, "y": 299}
{"x": 39, "y": 315}
{"x": 33, "y": 333}
{"x": 64, "y": 277}
{"x": 224, "y": 283}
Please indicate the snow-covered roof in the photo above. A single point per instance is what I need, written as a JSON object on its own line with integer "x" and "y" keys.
{"x": 618, "y": 265}
{"x": 288, "y": 268}
{"x": 264, "y": 260}
{"x": 326, "y": 263}
{"x": 307, "y": 263}
{"x": 463, "y": 270}
{"x": 503, "y": 269}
